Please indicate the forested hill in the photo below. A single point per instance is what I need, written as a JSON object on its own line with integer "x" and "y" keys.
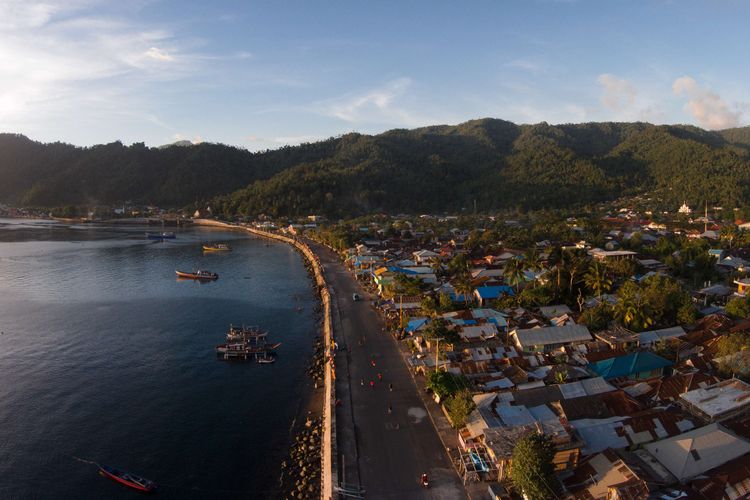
{"x": 493, "y": 163}
{"x": 37, "y": 174}
{"x": 497, "y": 164}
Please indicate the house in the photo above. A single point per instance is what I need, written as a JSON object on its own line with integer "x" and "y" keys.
{"x": 606, "y": 476}
{"x": 716, "y": 253}
{"x": 604, "y": 255}
{"x": 730, "y": 480}
{"x": 636, "y": 365}
{"x": 488, "y": 293}
{"x": 717, "y": 402}
{"x": 743, "y": 285}
{"x": 695, "y": 452}
{"x": 550, "y": 312}
{"x": 550, "y": 338}
{"x": 424, "y": 256}
{"x": 648, "y": 339}
{"x": 618, "y": 337}
{"x": 632, "y": 431}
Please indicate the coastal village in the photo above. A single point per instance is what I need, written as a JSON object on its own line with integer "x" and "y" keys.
{"x": 623, "y": 357}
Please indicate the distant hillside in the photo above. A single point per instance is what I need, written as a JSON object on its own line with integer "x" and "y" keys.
{"x": 493, "y": 163}
{"x": 58, "y": 174}
{"x": 497, "y": 164}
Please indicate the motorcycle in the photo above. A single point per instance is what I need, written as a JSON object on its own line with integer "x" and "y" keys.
{"x": 424, "y": 481}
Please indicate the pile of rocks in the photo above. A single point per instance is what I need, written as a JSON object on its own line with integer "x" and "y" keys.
{"x": 300, "y": 473}
{"x": 317, "y": 364}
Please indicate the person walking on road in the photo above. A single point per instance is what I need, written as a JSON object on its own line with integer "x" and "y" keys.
{"x": 372, "y": 384}
{"x": 380, "y": 377}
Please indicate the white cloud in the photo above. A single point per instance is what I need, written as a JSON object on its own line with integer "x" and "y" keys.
{"x": 376, "y": 106}
{"x": 60, "y": 62}
{"x": 158, "y": 54}
{"x": 706, "y": 107}
{"x": 619, "y": 94}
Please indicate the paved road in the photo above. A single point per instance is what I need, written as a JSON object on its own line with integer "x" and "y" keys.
{"x": 384, "y": 453}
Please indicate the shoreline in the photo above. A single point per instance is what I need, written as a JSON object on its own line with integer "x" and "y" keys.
{"x": 316, "y": 437}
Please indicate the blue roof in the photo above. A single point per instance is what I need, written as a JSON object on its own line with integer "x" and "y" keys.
{"x": 396, "y": 269}
{"x": 493, "y": 292}
{"x": 629, "y": 364}
{"x": 458, "y": 297}
{"x": 415, "y": 324}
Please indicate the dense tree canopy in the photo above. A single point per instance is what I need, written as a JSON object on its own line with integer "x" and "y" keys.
{"x": 485, "y": 164}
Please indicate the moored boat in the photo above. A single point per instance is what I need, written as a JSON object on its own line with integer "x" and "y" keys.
{"x": 197, "y": 275}
{"x": 218, "y": 247}
{"x": 127, "y": 479}
{"x": 167, "y": 235}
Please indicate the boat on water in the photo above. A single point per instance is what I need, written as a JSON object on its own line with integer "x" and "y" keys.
{"x": 246, "y": 334}
{"x": 198, "y": 275}
{"x": 246, "y": 348}
{"x": 126, "y": 478}
{"x": 266, "y": 360}
{"x": 218, "y": 247}
{"x": 166, "y": 235}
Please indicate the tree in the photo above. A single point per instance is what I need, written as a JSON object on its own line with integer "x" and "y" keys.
{"x": 513, "y": 273}
{"x": 596, "y": 279}
{"x": 465, "y": 287}
{"x": 444, "y": 302}
{"x": 739, "y": 307}
{"x": 459, "y": 406}
{"x": 437, "y": 266}
{"x": 532, "y": 471}
{"x": 429, "y": 305}
{"x": 444, "y": 384}
{"x": 631, "y": 309}
{"x": 597, "y": 318}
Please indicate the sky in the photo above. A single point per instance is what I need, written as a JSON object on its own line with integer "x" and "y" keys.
{"x": 263, "y": 74}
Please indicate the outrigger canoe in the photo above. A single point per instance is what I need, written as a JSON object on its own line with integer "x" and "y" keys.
{"x": 127, "y": 479}
{"x": 198, "y": 275}
{"x": 219, "y": 247}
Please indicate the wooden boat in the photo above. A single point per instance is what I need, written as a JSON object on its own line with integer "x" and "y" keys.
{"x": 218, "y": 247}
{"x": 198, "y": 275}
{"x": 127, "y": 479}
{"x": 246, "y": 348}
{"x": 252, "y": 334}
{"x": 161, "y": 236}
{"x": 266, "y": 361}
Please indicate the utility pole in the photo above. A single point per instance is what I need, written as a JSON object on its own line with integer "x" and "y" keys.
{"x": 437, "y": 354}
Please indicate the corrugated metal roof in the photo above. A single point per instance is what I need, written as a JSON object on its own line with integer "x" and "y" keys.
{"x": 630, "y": 364}
{"x": 552, "y": 335}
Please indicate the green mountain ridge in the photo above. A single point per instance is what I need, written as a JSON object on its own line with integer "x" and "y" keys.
{"x": 492, "y": 163}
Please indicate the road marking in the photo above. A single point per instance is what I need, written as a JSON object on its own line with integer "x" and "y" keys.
{"x": 418, "y": 414}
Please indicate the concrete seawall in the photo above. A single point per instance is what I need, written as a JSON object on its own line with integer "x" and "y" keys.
{"x": 329, "y": 474}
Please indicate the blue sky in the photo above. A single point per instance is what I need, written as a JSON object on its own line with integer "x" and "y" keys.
{"x": 263, "y": 74}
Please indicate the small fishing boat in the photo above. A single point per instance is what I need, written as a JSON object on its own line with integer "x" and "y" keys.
{"x": 266, "y": 361}
{"x": 198, "y": 275}
{"x": 246, "y": 333}
{"x": 167, "y": 235}
{"x": 126, "y": 478}
{"x": 218, "y": 247}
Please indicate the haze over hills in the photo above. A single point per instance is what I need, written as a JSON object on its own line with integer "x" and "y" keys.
{"x": 493, "y": 163}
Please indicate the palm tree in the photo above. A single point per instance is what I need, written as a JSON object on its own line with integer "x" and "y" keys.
{"x": 596, "y": 279}
{"x": 513, "y": 272}
{"x": 465, "y": 287}
{"x": 571, "y": 266}
{"x": 728, "y": 233}
{"x": 631, "y": 309}
{"x": 532, "y": 260}
{"x": 437, "y": 266}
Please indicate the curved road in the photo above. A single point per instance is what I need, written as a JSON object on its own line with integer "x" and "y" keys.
{"x": 382, "y": 453}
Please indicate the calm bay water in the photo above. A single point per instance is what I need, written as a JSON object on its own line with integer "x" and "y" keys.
{"x": 104, "y": 355}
